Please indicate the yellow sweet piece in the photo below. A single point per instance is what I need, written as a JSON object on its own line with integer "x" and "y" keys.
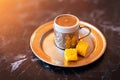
{"x": 82, "y": 47}
{"x": 68, "y": 63}
{"x": 70, "y": 54}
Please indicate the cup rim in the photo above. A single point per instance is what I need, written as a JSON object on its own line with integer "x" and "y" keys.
{"x": 66, "y": 27}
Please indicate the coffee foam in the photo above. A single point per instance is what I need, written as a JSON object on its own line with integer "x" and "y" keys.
{"x": 66, "y": 20}
{"x": 66, "y": 28}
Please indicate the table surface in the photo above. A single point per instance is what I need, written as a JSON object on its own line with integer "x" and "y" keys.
{"x": 20, "y": 18}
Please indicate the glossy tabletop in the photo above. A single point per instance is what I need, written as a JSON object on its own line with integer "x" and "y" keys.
{"x": 20, "y": 18}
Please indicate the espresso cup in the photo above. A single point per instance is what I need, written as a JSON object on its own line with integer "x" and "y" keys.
{"x": 66, "y": 31}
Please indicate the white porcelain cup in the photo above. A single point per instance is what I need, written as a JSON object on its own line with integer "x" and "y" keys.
{"x": 66, "y": 30}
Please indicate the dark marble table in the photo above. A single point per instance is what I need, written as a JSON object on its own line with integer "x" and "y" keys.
{"x": 20, "y": 18}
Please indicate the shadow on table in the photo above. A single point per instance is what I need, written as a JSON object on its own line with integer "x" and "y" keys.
{"x": 72, "y": 70}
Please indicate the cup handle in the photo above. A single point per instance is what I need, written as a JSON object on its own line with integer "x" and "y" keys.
{"x": 87, "y": 33}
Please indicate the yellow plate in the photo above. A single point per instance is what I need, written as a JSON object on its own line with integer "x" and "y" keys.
{"x": 42, "y": 44}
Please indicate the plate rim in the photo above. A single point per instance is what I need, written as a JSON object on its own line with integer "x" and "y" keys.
{"x": 81, "y": 22}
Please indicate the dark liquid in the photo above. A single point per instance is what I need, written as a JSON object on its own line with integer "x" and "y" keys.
{"x": 66, "y": 20}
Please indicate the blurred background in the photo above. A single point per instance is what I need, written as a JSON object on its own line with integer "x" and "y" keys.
{"x": 20, "y": 18}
